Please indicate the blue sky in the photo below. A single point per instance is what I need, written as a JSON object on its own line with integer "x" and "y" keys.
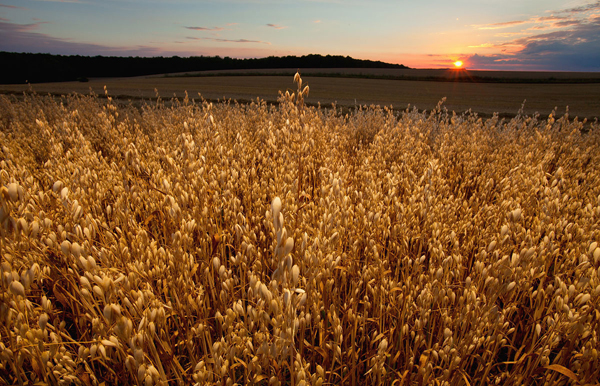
{"x": 485, "y": 34}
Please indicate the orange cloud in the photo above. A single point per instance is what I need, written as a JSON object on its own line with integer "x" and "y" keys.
{"x": 501, "y": 25}
{"x": 484, "y": 45}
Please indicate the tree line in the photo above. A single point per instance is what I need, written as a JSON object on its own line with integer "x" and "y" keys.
{"x": 38, "y": 68}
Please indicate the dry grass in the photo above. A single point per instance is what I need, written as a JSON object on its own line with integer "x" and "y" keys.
{"x": 252, "y": 244}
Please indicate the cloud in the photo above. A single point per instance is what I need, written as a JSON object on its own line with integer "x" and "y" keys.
{"x": 551, "y": 18}
{"x": 554, "y": 23}
{"x": 509, "y": 34}
{"x": 276, "y": 26}
{"x": 62, "y": 1}
{"x": 317, "y": 21}
{"x": 567, "y": 23}
{"x": 567, "y": 39}
{"x": 18, "y": 28}
{"x": 583, "y": 8}
{"x": 12, "y": 7}
{"x": 501, "y": 25}
{"x": 24, "y": 38}
{"x": 574, "y": 49}
{"x": 547, "y": 22}
{"x": 205, "y": 28}
{"x": 229, "y": 40}
{"x": 27, "y": 38}
{"x": 484, "y": 45}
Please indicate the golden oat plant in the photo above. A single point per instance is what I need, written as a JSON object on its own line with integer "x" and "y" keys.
{"x": 225, "y": 243}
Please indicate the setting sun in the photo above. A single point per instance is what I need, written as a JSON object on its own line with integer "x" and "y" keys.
{"x": 458, "y": 64}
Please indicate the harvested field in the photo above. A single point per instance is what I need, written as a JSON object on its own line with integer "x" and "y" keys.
{"x": 583, "y": 99}
{"x": 417, "y": 74}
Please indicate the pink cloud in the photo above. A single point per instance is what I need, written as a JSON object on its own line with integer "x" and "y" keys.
{"x": 12, "y": 7}
{"x": 21, "y": 27}
{"x": 23, "y": 38}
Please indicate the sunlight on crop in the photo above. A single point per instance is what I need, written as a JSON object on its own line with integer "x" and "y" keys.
{"x": 221, "y": 243}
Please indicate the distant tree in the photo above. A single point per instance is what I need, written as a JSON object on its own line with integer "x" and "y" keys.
{"x": 37, "y": 68}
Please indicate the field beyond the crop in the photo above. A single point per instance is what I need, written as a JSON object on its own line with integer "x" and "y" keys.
{"x": 348, "y": 88}
{"x": 224, "y": 243}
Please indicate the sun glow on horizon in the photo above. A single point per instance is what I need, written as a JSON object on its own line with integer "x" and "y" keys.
{"x": 458, "y": 64}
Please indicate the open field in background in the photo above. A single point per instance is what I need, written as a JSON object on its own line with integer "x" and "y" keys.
{"x": 416, "y": 74}
{"x": 223, "y": 244}
{"x": 484, "y": 98}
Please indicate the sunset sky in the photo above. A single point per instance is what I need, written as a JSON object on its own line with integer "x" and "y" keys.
{"x": 555, "y": 35}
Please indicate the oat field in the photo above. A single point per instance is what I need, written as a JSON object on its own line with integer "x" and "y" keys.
{"x": 201, "y": 243}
